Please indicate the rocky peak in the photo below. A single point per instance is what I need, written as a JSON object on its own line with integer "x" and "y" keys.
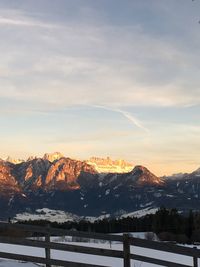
{"x": 64, "y": 173}
{"x": 139, "y": 169}
{"x": 142, "y": 176}
{"x": 31, "y": 158}
{"x": 8, "y": 183}
{"x": 32, "y": 174}
{"x": 52, "y": 156}
{"x": 14, "y": 161}
{"x": 197, "y": 171}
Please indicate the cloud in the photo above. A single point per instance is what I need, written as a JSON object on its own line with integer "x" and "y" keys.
{"x": 99, "y": 63}
{"x": 127, "y": 115}
{"x": 133, "y": 119}
{"x": 19, "y": 18}
{"x": 79, "y": 64}
{"x": 23, "y": 22}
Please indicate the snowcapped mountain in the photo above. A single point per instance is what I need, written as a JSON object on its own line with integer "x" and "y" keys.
{"x": 107, "y": 165}
{"x": 73, "y": 186}
{"x": 69, "y": 185}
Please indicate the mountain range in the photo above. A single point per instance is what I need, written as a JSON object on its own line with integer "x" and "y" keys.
{"x": 91, "y": 188}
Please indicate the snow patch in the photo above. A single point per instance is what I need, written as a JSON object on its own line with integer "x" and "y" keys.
{"x": 47, "y": 215}
{"x": 107, "y": 192}
{"x": 140, "y": 213}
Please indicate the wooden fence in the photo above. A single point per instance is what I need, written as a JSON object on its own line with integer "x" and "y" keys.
{"x": 15, "y": 238}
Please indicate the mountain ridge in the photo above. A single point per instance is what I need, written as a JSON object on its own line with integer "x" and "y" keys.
{"x": 102, "y": 165}
{"x": 63, "y": 172}
{"x": 76, "y": 187}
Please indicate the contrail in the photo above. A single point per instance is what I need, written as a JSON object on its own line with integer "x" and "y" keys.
{"x": 126, "y": 114}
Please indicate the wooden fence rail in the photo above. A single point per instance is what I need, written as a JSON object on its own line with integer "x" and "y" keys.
{"x": 124, "y": 254}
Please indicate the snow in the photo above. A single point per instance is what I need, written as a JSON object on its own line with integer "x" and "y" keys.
{"x": 107, "y": 192}
{"x": 58, "y": 215}
{"x": 146, "y": 204}
{"x": 104, "y": 166}
{"x": 10, "y": 200}
{"x": 7, "y": 263}
{"x": 114, "y": 188}
{"x": 47, "y": 214}
{"x": 62, "y": 216}
{"x": 140, "y": 213}
{"x": 91, "y": 259}
{"x": 142, "y": 235}
{"x": 157, "y": 194}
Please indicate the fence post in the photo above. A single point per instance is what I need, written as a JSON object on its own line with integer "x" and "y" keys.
{"x": 195, "y": 259}
{"x": 47, "y": 249}
{"x": 126, "y": 250}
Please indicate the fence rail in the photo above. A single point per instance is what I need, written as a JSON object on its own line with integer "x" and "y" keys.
{"x": 124, "y": 254}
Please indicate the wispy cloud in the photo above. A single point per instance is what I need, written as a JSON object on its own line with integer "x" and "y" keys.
{"x": 21, "y": 18}
{"x": 16, "y": 22}
{"x": 135, "y": 121}
{"x": 71, "y": 61}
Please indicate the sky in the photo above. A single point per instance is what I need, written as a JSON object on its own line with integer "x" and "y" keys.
{"x": 102, "y": 78}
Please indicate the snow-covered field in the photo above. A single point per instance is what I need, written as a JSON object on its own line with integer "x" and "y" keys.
{"x": 61, "y": 216}
{"x": 8, "y": 263}
{"x": 48, "y": 215}
{"x": 84, "y": 258}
